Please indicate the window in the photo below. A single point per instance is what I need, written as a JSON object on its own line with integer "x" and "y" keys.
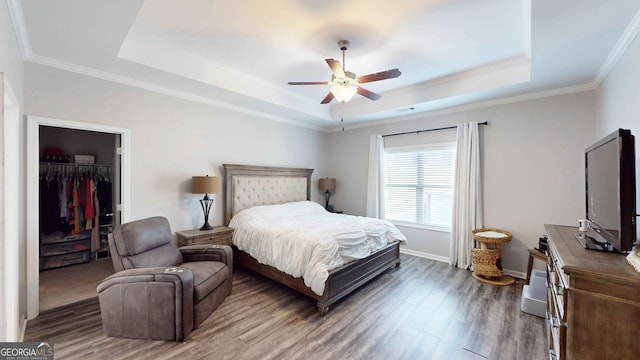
{"x": 419, "y": 184}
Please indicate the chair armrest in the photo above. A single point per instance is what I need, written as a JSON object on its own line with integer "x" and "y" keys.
{"x": 127, "y": 297}
{"x": 153, "y": 274}
{"x": 222, "y": 253}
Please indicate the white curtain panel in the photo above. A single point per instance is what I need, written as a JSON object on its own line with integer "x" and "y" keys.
{"x": 375, "y": 186}
{"x": 467, "y": 195}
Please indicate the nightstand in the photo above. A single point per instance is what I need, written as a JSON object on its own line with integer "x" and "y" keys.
{"x": 219, "y": 235}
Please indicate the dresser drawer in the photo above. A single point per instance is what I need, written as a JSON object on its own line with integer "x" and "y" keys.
{"x": 219, "y": 235}
{"x": 557, "y": 288}
{"x": 210, "y": 239}
{"x": 556, "y": 328}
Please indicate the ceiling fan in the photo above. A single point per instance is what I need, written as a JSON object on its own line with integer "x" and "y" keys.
{"x": 345, "y": 83}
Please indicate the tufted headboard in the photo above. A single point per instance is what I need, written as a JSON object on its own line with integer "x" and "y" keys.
{"x": 247, "y": 186}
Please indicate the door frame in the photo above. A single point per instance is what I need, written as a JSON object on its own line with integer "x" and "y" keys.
{"x": 33, "y": 173}
{"x": 10, "y": 243}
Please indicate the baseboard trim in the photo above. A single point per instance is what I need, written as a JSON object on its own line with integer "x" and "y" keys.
{"x": 515, "y": 274}
{"x": 23, "y": 329}
{"x": 424, "y": 255}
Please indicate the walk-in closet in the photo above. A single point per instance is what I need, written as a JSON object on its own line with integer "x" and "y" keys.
{"x": 78, "y": 192}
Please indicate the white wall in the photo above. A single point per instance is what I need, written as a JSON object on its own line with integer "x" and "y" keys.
{"x": 10, "y": 57}
{"x": 533, "y": 168}
{"x": 618, "y": 103}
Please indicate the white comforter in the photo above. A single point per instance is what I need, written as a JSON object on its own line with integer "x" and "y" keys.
{"x": 303, "y": 240}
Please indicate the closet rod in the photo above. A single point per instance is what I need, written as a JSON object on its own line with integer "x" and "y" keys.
{"x": 47, "y": 167}
{"x": 426, "y": 130}
{"x": 53, "y": 164}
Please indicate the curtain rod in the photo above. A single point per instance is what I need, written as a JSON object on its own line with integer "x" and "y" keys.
{"x": 426, "y": 130}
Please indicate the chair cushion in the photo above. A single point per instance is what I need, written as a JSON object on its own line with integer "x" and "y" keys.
{"x": 165, "y": 255}
{"x": 207, "y": 276}
{"x": 144, "y": 243}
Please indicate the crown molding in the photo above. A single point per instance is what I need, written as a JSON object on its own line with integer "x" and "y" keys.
{"x": 20, "y": 28}
{"x": 629, "y": 34}
{"x": 473, "y": 106}
{"x": 99, "y": 74}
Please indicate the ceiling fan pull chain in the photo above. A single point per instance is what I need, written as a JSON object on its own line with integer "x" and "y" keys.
{"x": 342, "y": 116}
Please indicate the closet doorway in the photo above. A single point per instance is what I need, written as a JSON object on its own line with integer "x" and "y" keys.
{"x": 78, "y": 189}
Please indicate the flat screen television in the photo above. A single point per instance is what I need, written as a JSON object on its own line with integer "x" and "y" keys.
{"x": 610, "y": 180}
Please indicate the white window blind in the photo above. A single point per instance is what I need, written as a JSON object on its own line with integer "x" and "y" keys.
{"x": 419, "y": 184}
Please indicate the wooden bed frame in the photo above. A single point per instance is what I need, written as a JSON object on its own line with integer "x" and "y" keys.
{"x": 247, "y": 186}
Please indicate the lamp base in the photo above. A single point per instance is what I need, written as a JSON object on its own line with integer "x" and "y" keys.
{"x": 327, "y": 196}
{"x": 206, "y": 203}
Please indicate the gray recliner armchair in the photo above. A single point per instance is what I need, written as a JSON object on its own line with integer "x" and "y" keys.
{"x": 159, "y": 291}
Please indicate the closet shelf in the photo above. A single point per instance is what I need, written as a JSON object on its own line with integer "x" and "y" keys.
{"x": 59, "y": 237}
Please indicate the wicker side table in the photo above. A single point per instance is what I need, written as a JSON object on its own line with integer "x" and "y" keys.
{"x": 487, "y": 260}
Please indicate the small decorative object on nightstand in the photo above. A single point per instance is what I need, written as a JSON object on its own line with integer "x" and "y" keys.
{"x": 328, "y": 185}
{"x": 219, "y": 235}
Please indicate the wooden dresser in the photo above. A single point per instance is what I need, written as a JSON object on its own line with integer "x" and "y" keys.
{"x": 593, "y": 301}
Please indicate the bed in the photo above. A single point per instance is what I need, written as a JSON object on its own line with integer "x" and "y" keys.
{"x": 255, "y": 186}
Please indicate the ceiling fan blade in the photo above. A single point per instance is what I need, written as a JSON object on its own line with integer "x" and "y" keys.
{"x": 336, "y": 68}
{"x": 308, "y": 83}
{"x": 389, "y": 74}
{"x": 327, "y": 99}
{"x": 368, "y": 94}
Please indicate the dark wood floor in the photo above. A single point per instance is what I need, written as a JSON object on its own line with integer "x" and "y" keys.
{"x": 422, "y": 310}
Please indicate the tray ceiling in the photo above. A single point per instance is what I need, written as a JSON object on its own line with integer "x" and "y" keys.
{"x": 241, "y": 55}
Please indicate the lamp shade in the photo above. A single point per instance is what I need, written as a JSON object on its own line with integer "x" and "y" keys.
{"x": 205, "y": 184}
{"x": 327, "y": 184}
{"x": 343, "y": 93}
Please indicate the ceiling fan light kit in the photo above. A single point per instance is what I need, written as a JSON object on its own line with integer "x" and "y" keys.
{"x": 345, "y": 84}
{"x": 343, "y": 93}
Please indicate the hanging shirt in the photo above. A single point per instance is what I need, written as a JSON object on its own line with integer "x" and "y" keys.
{"x": 104, "y": 194}
{"x": 49, "y": 206}
{"x": 62, "y": 195}
{"x": 95, "y": 232}
{"x": 76, "y": 208}
{"x": 88, "y": 202}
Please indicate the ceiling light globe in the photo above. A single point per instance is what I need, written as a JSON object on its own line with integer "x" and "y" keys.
{"x": 343, "y": 93}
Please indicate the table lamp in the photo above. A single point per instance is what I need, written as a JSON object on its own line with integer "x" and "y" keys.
{"x": 205, "y": 185}
{"x": 328, "y": 185}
